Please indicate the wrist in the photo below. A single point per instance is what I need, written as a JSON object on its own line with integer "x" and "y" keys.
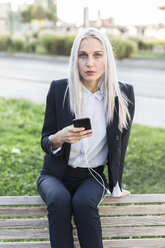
{"x": 56, "y": 140}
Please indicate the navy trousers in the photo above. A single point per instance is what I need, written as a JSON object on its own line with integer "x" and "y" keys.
{"x": 78, "y": 194}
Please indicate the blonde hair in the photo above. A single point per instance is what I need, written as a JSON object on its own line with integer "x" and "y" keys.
{"x": 108, "y": 83}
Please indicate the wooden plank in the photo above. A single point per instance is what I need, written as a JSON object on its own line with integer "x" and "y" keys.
{"x": 124, "y": 243}
{"x": 23, "y": 223}
{"x": 19, "y": 212}
{"x": 36, "y": 200}
{"x": 135, "y": 243}
{"x": 105, "y": 221}
{"x": 137, "y": 198}
{"x": 43, "y": 244}
{"x": 129, "y": 232}
{"x": 133, "y": 231}
{"x": 132, "y": 243}
{"x": 134, "y": 209}
{"x": 107, "y": 232}
{"x": 20, "y": 200}
{"x": 133, "y": 221}
{"x": 104, "y": 210}
{"x": 24, "y": 234}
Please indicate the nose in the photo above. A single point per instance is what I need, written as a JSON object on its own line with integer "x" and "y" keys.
{"x": 90, "y": 61}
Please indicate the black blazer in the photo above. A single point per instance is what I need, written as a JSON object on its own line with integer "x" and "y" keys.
{"x": 58, "y": 116}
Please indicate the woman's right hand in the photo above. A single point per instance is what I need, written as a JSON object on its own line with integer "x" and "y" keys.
{"x": 69, "y": 134}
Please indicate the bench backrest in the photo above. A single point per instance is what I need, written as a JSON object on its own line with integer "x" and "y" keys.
{"x": 134, "y": 221}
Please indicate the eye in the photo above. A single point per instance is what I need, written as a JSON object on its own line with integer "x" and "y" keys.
{"x": 82, "y": 55}
{"x": 97, "y": 55}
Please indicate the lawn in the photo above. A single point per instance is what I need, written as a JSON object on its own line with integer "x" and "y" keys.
{"x": 21, "y": 155}
{"x": 148, "y": 54}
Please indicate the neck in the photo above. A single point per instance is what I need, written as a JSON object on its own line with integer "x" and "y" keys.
{"x": 92, "y": 87}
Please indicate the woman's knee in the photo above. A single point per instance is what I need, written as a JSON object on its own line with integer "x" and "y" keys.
{"x": 83, "y": 205}
{"x": 54, "y": 193}
{"x": 59, "y": 201}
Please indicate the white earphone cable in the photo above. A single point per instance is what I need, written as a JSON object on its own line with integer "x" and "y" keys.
{"x": 91, "y": 170}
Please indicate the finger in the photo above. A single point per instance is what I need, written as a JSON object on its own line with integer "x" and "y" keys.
{"x": 78, "y": 129}
{"x": 86, "y": 132}
{"x": 86, "y": 135}
{"x": 80, "y": 133}
{"x": 76, "y": 138}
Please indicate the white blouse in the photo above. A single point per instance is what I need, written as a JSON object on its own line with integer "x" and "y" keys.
{"x": 95, "y": 147}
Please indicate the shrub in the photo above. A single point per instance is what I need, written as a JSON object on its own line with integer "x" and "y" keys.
{"x": 142, "y": 44}
{"x": 48, "y": 41}
{"x": 123, "y": 48}
{"x": 18, "y": 44}
{"x": 64, "y": 45}
{"x": 5, "y": 42}
{"x": 55, "y": 44}
{"x": 30, "y": 46}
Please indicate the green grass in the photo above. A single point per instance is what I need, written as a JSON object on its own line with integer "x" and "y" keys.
{"x": 144, "y": 165}
{"x": 148, "y": 54}
{"x": 20, "y": 127}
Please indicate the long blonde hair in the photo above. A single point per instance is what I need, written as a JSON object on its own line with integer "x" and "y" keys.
{"x": 108, "y": 83}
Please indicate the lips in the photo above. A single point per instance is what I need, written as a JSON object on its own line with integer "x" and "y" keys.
{"x": 90, "y": 73}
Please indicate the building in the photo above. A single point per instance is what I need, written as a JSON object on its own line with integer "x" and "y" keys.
{"x": 45, "y": 3}
{"x": 4, "y": 17}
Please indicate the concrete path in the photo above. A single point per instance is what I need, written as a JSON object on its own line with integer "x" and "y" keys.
{"x": 30, "y": 76}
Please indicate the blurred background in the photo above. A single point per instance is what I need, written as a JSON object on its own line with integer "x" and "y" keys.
{"x": 140, "y": 19}
{"x": 36, "y": 37}
{"x": 136, "y": 30}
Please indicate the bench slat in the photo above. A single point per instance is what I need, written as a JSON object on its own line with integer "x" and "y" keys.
{"x": 105, "y": 221}
{"x": 128, "y": 243}
{"x": 133, "y": 221}
{"x": 18, "y": 212}
{"x": 24, "y": 234}
{"x": 103, "y": 210}
{"x": 44, "y": 244}
{"x": 133, "y": 231}
{"x": 36, "y": 200}
{"x": 107, "y": 232}
{"x": 21, "y": 200}
{"x": 137, "y": 198}
{"x": 135, "y": 243}
{"x": 23, "y": 223}
{"x": 134, "y": 209}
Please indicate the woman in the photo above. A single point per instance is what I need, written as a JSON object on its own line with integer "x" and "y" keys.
{"x": 72, "y": 180}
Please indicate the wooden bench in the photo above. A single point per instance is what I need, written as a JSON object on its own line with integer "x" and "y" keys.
{"x": 135, "y": 221}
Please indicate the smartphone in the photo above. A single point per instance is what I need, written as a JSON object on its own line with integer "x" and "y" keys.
{"x": 82, "y": 122}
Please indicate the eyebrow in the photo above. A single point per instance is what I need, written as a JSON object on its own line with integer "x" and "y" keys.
{"x": 93, "y": 51}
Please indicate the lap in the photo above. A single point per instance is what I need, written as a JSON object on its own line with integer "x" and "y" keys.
{"x": 90, "y": 191}
{"x": 52, "y": 188}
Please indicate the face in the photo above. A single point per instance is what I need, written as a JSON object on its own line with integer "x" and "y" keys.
{"x": 91, "y": 62}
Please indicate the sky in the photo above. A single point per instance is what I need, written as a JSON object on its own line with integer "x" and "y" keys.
{"x": 125, "y": 12}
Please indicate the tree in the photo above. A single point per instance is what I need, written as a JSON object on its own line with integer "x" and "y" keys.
{"x": 39, "y": 13}
{"x": 26, "y": 14}
{"x": 51, "y": 14}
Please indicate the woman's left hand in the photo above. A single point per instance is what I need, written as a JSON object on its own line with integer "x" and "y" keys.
{"x": 124, "y": 193}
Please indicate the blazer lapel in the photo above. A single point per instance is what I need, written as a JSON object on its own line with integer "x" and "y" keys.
{"x": 67, "y": 116}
